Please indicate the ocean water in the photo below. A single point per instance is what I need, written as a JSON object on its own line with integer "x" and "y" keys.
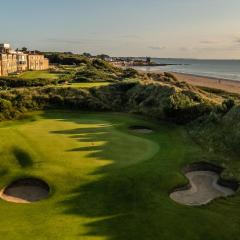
{"x": 224, "y": 69}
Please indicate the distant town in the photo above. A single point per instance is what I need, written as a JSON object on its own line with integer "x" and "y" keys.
{"x": 17, "y": 61}
{"x": 134, "y": 62}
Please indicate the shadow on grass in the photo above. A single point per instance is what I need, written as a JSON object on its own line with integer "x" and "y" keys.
{"x": 23, "y": 158}
{"x": 130, "y": 201}
{"x": 127, "y": 203}
{"x": 3, "y": 172}
{"x": 126, "y": 199}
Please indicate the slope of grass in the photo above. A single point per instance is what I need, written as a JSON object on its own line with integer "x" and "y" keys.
{"x": 106, "y": 182}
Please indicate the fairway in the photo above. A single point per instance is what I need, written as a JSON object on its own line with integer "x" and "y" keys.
{"x": 106, "y": 182}
{"x": 85, "y": 84}
{"x": 39, "y": 74}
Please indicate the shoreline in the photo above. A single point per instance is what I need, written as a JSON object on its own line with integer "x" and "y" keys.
{"x": 231, "y": 86}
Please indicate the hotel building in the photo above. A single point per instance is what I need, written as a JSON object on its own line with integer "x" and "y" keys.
{"x": 17, "y": 61}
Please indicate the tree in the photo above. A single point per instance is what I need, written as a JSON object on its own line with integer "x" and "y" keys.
{"x": 24, "y": 49}
{"x": 103, "y": 56}
{"x": 87, "y": 54}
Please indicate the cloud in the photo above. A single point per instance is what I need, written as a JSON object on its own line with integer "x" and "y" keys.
{"x": 185, "y": 49}
{"x": 156, "y": 48}
{"x": 220, "y": 45}
{"x": 237, "y": 40}
{"x": 223, "y": 48}
{"x": 131, "y": 36}
{"x": 208, "y": 42}
{"x": 65, "y": 41}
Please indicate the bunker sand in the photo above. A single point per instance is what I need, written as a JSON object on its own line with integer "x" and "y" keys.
{"x": 141, "y": 129}
{"x": 25, "y": 191}
{"x": 203, "y": 189}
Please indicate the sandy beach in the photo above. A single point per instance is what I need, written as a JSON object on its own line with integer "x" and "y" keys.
{"x": 202, "y": 81}
{"x": 226, "y": 85}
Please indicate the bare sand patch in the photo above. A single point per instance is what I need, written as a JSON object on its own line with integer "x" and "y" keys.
{"x": 141, "y": 129}
{"x": 204, "y": 187}
{"x": 26, "y": 190}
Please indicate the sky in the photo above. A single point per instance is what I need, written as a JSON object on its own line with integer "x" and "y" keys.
{"x": 156, "y": 28}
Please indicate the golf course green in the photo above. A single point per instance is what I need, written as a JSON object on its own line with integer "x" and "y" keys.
{"x": 106, "y": 182}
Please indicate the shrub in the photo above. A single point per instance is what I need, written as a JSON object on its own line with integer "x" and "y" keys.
{"x": 67, "y": 58}
{"x": 228, "y": 104}
{"x": 183, "y": 109}
{"x": 6, "y": 109}
{"x": 130, "y": 73}
{"x": 170, "y": 75}
{"x": 8, "y": 82}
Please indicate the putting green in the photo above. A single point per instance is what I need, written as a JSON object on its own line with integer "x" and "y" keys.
{"x": 106, "y": 182}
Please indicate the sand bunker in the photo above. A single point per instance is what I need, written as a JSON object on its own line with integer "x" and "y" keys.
{"x": 141, "y": 129}
{"x": 26, "y": 190}
{"x": 204, "y": 187}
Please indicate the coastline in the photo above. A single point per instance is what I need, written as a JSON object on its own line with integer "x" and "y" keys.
{"x": 210, "y": 82}
{"x": 231, "y": 86}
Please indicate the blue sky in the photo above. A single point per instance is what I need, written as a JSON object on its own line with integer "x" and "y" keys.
{"x": 157, "y": 28}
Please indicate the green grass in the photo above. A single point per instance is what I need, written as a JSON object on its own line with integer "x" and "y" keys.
{"x": 85, "y": 84}
{"x": 106, "y": 182}
{"x": 38, "y": 74}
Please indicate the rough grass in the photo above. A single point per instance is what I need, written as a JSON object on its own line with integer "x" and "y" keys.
{"x": 106, "y": 182}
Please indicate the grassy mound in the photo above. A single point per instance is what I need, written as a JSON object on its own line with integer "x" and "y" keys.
{"x": 175, "y": 101}
{"x": 219, "y": 135}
